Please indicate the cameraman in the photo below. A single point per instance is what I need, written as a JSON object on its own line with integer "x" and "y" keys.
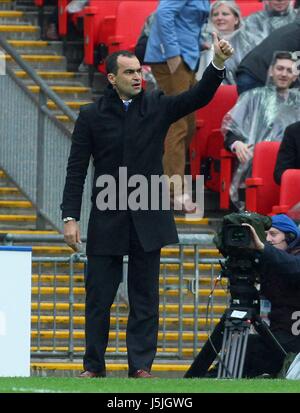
{"x": 279, "y": 261}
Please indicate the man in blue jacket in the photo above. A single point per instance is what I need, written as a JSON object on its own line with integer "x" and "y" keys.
{"x": 173, "y": 53}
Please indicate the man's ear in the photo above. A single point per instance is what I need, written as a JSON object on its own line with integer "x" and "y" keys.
{"x": 270, "y": 72}
{"x": 111, "y": 78}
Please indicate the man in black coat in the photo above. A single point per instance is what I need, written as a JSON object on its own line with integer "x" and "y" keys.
{"x": 124, "y": 131}
{"x": 289, "y": 151}
{"x": 253, "y": 70}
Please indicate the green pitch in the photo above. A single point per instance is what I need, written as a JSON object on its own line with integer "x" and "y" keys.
{"x": 160, "y": 385}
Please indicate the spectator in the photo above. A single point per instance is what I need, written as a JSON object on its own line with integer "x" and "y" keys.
{"x": 253, "y": 70}
{"x": 173, "y": 53}
{"x": 140, "y": 50}
{"x": 224, "y": 19}
{"x": 255, "y": 28}
{"x": 75, "y": 6}
{"x": 75, "y": 23}
{"x": 260, "y": 114}
{"x": 51, "y": 30}
{"x": 289, "y": 151}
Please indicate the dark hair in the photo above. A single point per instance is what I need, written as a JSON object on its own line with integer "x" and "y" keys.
{"x": 111, "y": 63}
{"x": 290, "y": 237}
{"x": 283, "y": 55}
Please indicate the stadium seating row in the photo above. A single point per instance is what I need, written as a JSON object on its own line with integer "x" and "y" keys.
{"x": 263, "y": 195}
{"x": 116, "y": 25}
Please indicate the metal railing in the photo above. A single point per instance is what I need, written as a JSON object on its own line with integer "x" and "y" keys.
{"x": 185, "y": 317}
{"x": 34, "y": 144}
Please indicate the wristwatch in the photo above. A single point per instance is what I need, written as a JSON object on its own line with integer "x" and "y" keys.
{"x": 67, "y": 219}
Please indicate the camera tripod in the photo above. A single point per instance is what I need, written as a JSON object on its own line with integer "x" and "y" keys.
{"x": 230, "y": 338}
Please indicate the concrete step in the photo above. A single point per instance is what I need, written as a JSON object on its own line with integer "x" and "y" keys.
{"x": 9, "y": 222}
{"x": 10, "y": 14}
{"x": 187, "y": 352}
{"x": 18, "y": 34}
{"x": 59, "y": 279}
{"x": 80, "y": 307}
{"x": 55, "y": 75}
{"x": 17, "y": 218}
{"x": 169, "y": 267}
{"x": 114, "y": 369}
{"x": 67, "y": 92}
{"x": 121, "y": 321}
{"x": 49, "y": 57}
{"x": 10, "y": 193}
{"x": 80, "y": 291}
{"x": 29, "y": 232}
{"x": 41, "y": 62}
{"x": 79, "y": 335}
{"x": 75, "y": 105}
{"x": 36, "y": 47}
{"x": 6, "y": 4}
{"x": 15, "y": 204}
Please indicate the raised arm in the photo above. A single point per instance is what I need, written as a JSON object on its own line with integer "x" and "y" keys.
{"x": 201, "y": 94}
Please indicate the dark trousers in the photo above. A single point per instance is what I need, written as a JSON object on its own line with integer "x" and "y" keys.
{"x": 103, "y": 276}
{"x": 260, "y": 358}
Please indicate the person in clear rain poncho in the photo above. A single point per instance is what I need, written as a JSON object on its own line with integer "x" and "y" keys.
{"x": 261, "y": 114}
{"x": 255, "y": 28}
{"x": 224, "y": 19}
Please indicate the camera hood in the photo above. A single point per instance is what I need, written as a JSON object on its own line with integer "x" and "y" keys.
{"x": 229, "y": 237}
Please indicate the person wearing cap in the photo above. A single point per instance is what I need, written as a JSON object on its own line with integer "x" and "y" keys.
{"x": 279, "y": 259}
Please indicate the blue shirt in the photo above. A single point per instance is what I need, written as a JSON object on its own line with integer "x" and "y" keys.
{"x": 176, "y": 31}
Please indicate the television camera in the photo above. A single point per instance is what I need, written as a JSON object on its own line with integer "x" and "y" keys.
{"x": 229, "y": 339}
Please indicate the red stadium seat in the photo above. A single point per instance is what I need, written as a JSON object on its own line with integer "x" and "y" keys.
{"x": 289, "y": 194}
{"x": 211, "y": 162}
{"x": 106, "y": 23}
{"x": 262, "y": 192}
{"x": 39, "y": 3}
{"x": 62, "y": 17}
{"x": 248, "y": 7}
{"x": 209, "y": 119}
{"x": 226, "y": 168}
{"x": 131, "y": 16}
{"x": 99, "y": 23}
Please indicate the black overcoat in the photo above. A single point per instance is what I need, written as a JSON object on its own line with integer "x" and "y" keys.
{"x": 289, "y": 151}
{"x": 135, "y": 140}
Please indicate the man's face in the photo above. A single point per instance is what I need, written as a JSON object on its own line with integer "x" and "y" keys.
{"x": 128, "y": 80}
{"x": 283, "y": 73}
{"x": 276, "y": 238}
{"x": 278, "y": 5}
